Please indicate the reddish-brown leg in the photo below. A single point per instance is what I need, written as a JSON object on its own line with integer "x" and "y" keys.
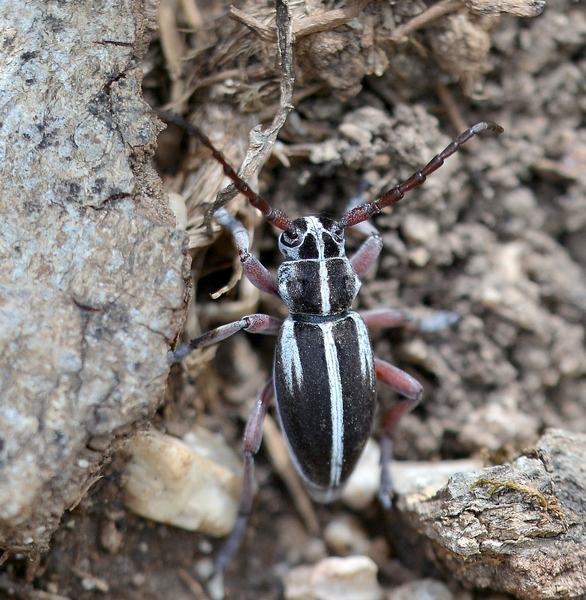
{"x": 252, "y": 440}
{"x": 257, "y": 323}
{"x": 412, "y": 393}
{"x": 256, "y": 272}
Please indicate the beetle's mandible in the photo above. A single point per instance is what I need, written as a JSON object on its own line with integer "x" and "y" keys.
{"x": 324, "y": 370}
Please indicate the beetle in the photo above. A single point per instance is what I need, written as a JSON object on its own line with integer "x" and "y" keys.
{"x": 324, "y": 370}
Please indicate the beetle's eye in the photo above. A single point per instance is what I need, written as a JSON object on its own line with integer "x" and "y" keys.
{"x": 291, "y": 239}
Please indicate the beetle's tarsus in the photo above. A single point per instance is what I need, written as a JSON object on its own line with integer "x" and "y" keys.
{"x": 230, "y": 547}
{"x": 179, "y": 354}
{"x": 385, "y": 501}
{"x": 438, "y": 321}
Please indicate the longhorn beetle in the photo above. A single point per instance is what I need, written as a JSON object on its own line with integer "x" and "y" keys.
{"x": 324, "y": 369}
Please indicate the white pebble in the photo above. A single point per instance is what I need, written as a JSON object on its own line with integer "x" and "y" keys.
{"x": 350, "y": 578}
{"x": 422, "y": 589}
{"x": 422, "y": 479}
{"x": 344, "y": 535}
{"x": 193, "y": 484}
{"x": 364, "y": 482}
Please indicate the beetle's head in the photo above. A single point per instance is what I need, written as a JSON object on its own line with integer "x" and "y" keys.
{"x": 314, "y": 238}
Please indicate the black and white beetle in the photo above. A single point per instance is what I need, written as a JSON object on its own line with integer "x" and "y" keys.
{"x": 324, "y": 369}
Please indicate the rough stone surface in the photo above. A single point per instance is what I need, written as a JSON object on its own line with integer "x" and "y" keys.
{"x": 92, "y": 269}
{"x": 518, "y": 528}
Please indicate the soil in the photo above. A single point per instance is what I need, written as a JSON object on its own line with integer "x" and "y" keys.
{"x": 497, "y": 236}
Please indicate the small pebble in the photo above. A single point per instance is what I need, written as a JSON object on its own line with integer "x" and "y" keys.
{"x": 422, "y": 589}
{"x": 364, "y": 482}
{"x": 344, "y": 535}
{"x": 350, "y": 578}
{"x": 177, "y": 205}
{"x": 110, "y": 537}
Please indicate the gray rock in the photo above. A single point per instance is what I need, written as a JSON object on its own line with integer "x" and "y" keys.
{"x": 92, "y": 267}
{"x": 517, "y": 528}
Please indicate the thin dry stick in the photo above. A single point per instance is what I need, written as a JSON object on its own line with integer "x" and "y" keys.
{"x": 451, "y": 107}
{"x": 264, "y": 32}
{"x": 262, "y": 141}
{"x": 192, "y": 15}
{"x": 329, "y": 20}
{"x": 279, "y": 457}
{"x": 445, "y": 7}
{"x": 172, "y": 45}
{"x": 194, "y": 586}
{"x": 306, "y": 26}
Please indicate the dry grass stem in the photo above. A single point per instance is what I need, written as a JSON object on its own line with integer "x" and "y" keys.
{"x": 279, "y": 456}
{"x": 172, "y": 45}
{"x": 306, "y": 26}
{"x": 441, "y": 9}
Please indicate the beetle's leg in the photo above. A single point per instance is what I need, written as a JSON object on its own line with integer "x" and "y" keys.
{"x": 385, "y": 317}
{"x": 412, "y": 391}
{"x": 252, "y": 440}
{"x": 439, "y": 320}
{"x": 391, "y": 317}
{"x": 365, "y": 257}
{"x": 256, "y": 272}
{"x": 257, "y": 323}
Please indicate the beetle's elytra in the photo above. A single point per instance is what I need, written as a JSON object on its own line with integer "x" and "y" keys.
{"x": 324, "y": 370}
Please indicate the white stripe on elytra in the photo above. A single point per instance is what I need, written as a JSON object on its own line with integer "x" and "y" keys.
{"x": 292, "y": 369}
{"x": 336, "y": 404}
{"x": 364, "y": 346}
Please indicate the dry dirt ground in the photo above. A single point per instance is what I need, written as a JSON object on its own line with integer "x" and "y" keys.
{"x": 497, "y": 235}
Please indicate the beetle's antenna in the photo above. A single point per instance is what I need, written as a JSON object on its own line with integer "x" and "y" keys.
{"x": 365, "y": 211}
{"x": 274, "y": 216}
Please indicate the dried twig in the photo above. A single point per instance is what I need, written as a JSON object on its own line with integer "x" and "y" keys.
{"x": 433, "y": 13}
{"x": 329, "y": 20}
{"x": 264, "y": 32}
{"x": 192, "y": 15}
{"x": 194, "y": 586}
{"x": 308, "y": 25}
{"x": 279, "y": 457}
{"x": 451, "y": 107}
{"x": 172, "y": 45}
